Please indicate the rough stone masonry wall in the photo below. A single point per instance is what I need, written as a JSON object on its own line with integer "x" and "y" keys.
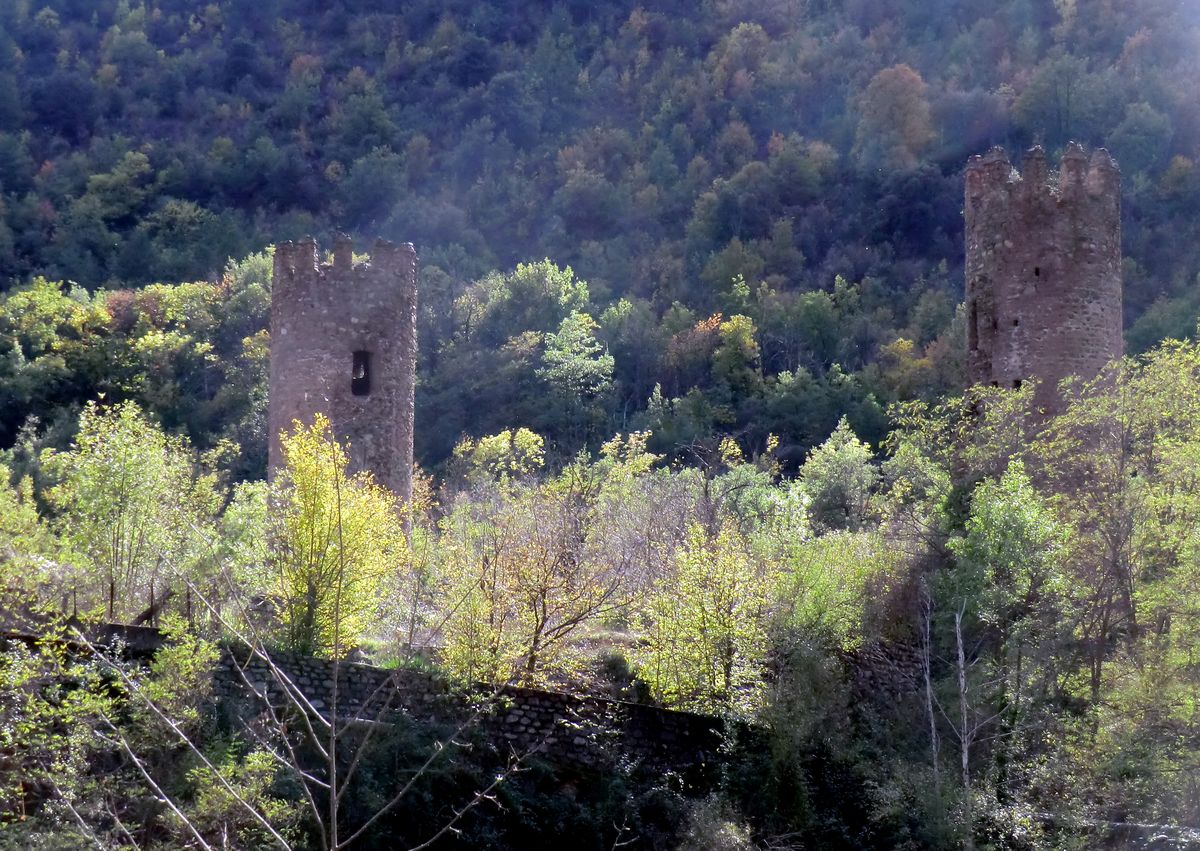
{"x": 564, "y": 728}
{"x": 1043, "y": 269}
{"x": 321, "y": 316}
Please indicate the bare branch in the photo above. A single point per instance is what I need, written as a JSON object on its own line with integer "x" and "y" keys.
{"x": 183, "y": 737}
{"x": 480, "y": 797}
{"x": 162, "y": 796}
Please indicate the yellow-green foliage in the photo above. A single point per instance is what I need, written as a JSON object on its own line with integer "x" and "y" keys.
{"x": 511, "y": 454}
{"x": 519, "y": 582}
{"x": 838, "y": 477}
{"x": 705, "y": 627}
{"x": 131, "y": 503}
{"x": 826, "y": 584}
{"x": 1125, "y": 462}
{"x": 179, "y": 678}
{"x": 528, "y": 568}
{"x": 30, "y": 554}
{"x": 335, "y": 539}
{"x": 216, "y": 812}
{"x": 49, "y": 703}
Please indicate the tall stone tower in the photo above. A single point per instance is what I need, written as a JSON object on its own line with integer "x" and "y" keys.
{"x": 344, "y": 344}
{"x": 1043, "y": 269}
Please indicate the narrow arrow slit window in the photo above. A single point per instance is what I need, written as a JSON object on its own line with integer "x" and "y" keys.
{"x": 360, "y": 375}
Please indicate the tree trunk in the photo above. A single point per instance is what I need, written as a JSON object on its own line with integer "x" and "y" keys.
{"x": 965, "y": 733}
{"x": 927, "y": 673}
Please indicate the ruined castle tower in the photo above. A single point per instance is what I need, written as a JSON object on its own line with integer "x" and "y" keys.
{"x": 344, "y": 344}
{"x": 1043, "y": 269}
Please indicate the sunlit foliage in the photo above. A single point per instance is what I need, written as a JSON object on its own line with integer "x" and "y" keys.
{"x": 335, "y": 538}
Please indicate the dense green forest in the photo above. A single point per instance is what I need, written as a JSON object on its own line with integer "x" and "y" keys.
{"x": 763, "y": 197}
{"x": 690, "y": 421}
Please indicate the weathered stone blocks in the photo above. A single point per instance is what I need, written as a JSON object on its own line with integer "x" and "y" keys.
{"x": 564, "y": 728}
{"x": 344, "y": 344}
{"x": 1043, "y": 269}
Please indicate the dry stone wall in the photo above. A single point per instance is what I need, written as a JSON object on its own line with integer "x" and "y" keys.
{"x": 563, "y": 728}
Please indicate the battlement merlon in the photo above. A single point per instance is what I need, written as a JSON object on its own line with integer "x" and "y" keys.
{"x": 990, "y": 170}
{"x": 343, "y": 253}
{"x": 294, "y": 260}
{"x": 1104, "y": 175}
{"x": 1096, "y": 176}
{"x": 397, "y": 259}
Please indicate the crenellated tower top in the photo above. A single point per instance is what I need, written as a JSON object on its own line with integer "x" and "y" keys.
{"x": 298, "y": 265}
{"x": 1080, "y": 179}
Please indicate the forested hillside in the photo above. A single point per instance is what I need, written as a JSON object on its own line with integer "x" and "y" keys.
{"x": 762, "y": 197}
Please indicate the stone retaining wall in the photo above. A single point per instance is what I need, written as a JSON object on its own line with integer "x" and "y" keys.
{"x": 565, "y": 728}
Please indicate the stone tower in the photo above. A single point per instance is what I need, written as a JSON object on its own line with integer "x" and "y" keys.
{"x": 344, "y": 344}
{"x": 1043, "y": 269}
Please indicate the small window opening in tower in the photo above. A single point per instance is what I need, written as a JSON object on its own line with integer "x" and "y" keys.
{"x": 973, "y": 328}
{"x": 1016, "y": 384}
{"x": 1016, "y": 322}
{"x": 1037, "y": 271}
{"x": 360, "y": 374}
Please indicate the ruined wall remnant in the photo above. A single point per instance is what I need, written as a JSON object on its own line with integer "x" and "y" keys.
{"x": 1043, "y": 293}
{"x": 568, "y": 729}
{"x": 344, "y": 344}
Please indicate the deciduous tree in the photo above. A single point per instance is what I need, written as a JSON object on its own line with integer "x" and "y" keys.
{"x": 335, "y": 538}
{"x": 706, "y": 627}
